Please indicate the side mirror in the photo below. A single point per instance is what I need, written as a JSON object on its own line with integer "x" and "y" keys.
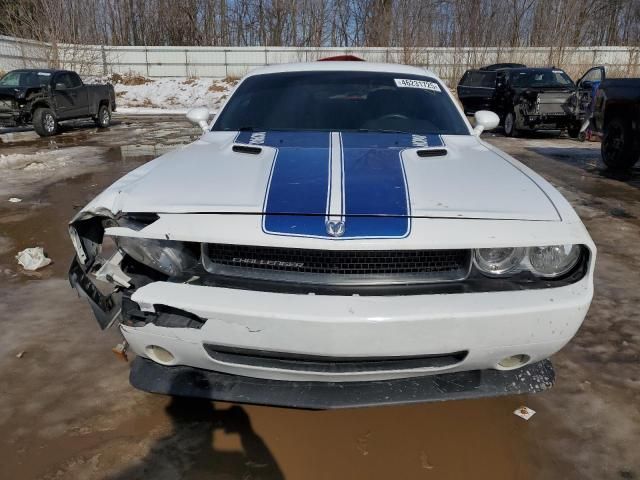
{"x": 485, "y": 120}
{"x": 586, "y": 84}
{"x": 61, "y": 86}
{"x": 199, "y": 116}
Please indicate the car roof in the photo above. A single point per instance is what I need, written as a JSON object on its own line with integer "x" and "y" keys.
{"x": 344, "y": 66}
{"x": 534, "y": 69}
{"x": 514, "y": 69}
{"x": 43, "y": 70}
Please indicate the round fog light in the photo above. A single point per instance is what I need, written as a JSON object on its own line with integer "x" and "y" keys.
{"x": 159, "y": 354}
{"x": 514, "y": 361}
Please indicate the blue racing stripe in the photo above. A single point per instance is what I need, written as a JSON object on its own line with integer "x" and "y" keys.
{"x": 375, "y": 191}
{"x": 296, "y": 197}
{"x": 393, "y": 140}
{"x": 376, "y": 196}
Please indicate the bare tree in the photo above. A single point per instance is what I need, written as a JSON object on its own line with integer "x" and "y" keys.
{"x": 410, "y": 24}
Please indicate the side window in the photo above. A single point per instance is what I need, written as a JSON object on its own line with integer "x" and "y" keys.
{"x": 64, "y": 78}
{"x": 472, "y": 79}
{"x": 466, "y": 79}
{"x": 487, "y": 79}
{"x": 74, "y": 79}
{"x": 593, "y": 75}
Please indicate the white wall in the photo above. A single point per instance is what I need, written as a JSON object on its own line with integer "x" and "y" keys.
{"x": 220, "y": 62}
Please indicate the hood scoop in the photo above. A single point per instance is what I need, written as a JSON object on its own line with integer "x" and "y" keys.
{"x": 247, "y": 149}
{"x": 433, "y": 152}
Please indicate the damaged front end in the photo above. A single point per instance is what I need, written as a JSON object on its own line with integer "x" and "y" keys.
{"x": 14, "y": 112}
{"x": 543, "y": 110}
{"x": 107, "y": 269}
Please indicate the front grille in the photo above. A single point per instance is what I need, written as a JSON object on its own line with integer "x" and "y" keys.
{"x": 325, "y": 364}
{"x": 336, "y": 266}
{"x": 552, "y": 112}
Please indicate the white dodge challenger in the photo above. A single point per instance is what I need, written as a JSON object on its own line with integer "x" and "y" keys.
{"x": 339, "y": 236}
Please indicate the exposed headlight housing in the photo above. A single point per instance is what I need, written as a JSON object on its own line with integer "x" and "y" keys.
{"x": 167, "y": 256}
{"x": 553, "y": 260}
{"x": 548, "y": 261}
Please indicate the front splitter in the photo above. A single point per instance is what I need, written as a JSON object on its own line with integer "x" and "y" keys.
{"x": 194, "y": 382}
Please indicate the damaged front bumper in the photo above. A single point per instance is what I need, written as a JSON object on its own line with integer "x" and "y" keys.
{"x": 194, "y": 382}
{"x": 105, "y": 307}
{"x": 271, "y": 347}
{"x": 296, "y": 392}
{"x": 13, "y": 119}
{"x": 545, "y": 122}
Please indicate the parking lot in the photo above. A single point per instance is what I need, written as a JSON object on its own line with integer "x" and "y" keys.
{"x": 67, "y": 410}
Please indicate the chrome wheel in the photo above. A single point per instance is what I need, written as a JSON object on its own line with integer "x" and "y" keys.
{"x": 49, "y": 123}
{"x": 105, "y": 117}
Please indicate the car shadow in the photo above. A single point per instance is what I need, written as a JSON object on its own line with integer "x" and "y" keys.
{"x": 188, "y": 451}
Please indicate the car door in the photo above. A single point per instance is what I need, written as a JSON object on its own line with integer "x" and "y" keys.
{"x": 63, "y": 95}
{"x": 79, "y": 92}
{"x": 476, "y": 90}
{"x": 485, "y": 90}
{"x": 501, "y": 97}
{"x": 586, "y": 89}
{"x": 465, "y": 91}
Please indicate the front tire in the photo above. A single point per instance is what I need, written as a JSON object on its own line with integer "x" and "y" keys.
{"x": 103, "y": 119}
{"x": 510, "y": 129}
{"x": 618, "y": 149}
{"x": 44, "y": 122}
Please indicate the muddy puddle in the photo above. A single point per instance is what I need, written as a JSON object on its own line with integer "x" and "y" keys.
{"x": 68, "y": 412}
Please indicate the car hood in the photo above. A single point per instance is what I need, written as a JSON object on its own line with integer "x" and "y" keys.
{"x": 9, "y": 92}
{"x": 333, "y": 174}
{"x": 17, "y": 92}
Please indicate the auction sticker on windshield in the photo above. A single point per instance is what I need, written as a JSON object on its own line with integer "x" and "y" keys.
{"x": 408, "y": 83}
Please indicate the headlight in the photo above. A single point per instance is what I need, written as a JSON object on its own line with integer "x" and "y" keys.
{"x": 498, "y": 261}
{"x": 546, "y": 262}
{"x": 553, "y": 260}
{"x": 167, "y": 256}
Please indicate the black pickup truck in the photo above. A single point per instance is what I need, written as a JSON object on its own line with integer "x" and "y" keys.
{"x": 526, "y": 99}
{"x": 616, "y": 116}
{"x": 45, "y": 97}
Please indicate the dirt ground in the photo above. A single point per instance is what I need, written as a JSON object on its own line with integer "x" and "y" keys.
{"x": 68, "y": 412}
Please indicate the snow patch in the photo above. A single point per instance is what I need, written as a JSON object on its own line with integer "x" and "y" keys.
{"x": 21, "y": 172}
{"x": 151, "y": 111}
{"x": 173, "y": 95}
{"x": 46, "y": 160}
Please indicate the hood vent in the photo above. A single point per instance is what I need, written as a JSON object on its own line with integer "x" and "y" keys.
{"x": 247, "y": 149}
{"x": 433, "y": 152}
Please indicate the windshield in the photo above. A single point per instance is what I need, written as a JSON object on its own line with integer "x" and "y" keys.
{"x": 542, "y": 79}
{"x": 25, "y": 79}
{"x": 342, "y": 101}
